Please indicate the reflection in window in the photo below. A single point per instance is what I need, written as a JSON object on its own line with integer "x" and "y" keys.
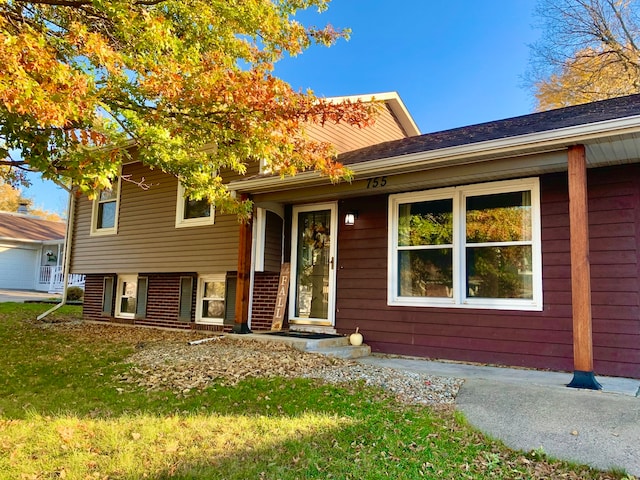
{"x": 499, "y": 250}
{"x": 314, "y": 241}
{"x": 196, "y": 208}
{"x": 425, "y": 273}
{"x": 211, "y": 299}
{"x": 425, "y": 246}
{"x": 127, "y": 292}
{"x": 502, "y": 217}
{"x": 426, "y": 223}
{"x": 105, "y": 210}
{"x": 191, "y": 212}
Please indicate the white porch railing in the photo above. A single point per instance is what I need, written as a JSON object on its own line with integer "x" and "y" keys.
{"x": 44, "y": 277}
{"x": 56, "y": 279}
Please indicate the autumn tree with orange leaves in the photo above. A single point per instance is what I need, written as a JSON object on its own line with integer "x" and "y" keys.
{"x": 184, "y": 85}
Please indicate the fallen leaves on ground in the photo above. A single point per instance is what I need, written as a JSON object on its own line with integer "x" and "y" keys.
{"x": 182, "y": 367}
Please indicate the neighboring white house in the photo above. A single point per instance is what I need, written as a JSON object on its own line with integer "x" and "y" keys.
{"x": 31, "y": 252}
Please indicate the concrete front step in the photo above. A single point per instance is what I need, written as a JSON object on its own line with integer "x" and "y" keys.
{"x": 348, "y": 351}
{"x": 333, "y": 347}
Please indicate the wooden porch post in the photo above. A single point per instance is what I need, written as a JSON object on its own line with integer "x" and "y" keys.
{"x": 241, "y": 324}
{"x": 583, "y": 376}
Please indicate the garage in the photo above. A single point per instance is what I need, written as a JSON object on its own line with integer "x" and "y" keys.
{"x": 18, "y": 266}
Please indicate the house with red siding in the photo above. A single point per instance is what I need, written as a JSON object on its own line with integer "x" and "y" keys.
{"x": 514, "y": 242}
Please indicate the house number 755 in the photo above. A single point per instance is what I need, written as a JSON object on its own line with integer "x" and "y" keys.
{"x": 376, "y": 182}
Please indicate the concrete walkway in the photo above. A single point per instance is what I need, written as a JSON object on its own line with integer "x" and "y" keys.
{"x": 7, "y": 295}
{"x": 531, "y": 409}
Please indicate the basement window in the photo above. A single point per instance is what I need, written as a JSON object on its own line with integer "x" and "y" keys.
{"x": 210, "y": 303}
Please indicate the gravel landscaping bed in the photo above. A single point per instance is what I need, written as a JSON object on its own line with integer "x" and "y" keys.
{"x": 182, "y": 367}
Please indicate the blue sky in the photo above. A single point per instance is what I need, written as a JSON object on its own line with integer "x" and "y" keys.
{"x": 453, "y": 62}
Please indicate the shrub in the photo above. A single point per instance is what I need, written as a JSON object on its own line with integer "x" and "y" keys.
{"x": 75, "y": 293}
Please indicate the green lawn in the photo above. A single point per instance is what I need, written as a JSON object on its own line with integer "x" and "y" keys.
{"x": 64, "y": 414}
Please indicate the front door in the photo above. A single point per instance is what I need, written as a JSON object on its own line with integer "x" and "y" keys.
{"x": 313, "y": 251}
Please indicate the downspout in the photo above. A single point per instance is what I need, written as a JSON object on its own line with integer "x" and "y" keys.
{"x": 67, "y": 252}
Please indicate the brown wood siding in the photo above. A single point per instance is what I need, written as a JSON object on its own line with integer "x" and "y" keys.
{"x": 347, "y": 138}
{"x": 531, "y": 339}
{"x": 147, "y": 239}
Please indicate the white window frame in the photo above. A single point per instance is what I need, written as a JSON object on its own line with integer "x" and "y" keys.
{"x": 459, "y": 195}
{"x": 95, "y": 230}
{"x": 190, "y": 222}
{"x": 202, "y": 279}
{"x": 259, "y": 234}
{"x": 121, "y": 280}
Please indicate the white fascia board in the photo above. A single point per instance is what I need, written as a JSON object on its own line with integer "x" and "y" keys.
{"x": 499, "y": 148}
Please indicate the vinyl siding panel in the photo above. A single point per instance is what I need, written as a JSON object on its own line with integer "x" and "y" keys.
{"x": 273, "y": 243}
{"x": 147, "y": 239}
{"x": 531, "y": 339}
{"x": 346, "y": 138}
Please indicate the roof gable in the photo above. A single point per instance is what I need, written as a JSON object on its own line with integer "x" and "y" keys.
{"x": 393, "y": 123}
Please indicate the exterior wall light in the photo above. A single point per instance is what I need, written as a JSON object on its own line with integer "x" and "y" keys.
{"x": 350, "y": 217}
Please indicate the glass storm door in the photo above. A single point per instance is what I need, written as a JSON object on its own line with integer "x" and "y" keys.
{"x": 313, "y": 251}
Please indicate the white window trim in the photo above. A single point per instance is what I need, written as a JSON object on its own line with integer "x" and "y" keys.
{"x": 459, "y": 194}
{"x": 190, "y": 222}
{"x": 118, "y": 295}
{"x": 200, "y": 297}
{"x": 95, "y": 231}
{"x": 260, "y": 233}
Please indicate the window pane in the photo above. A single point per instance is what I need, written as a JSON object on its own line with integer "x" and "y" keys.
{"x": 426, "y": 223}
{"x": 214, "y": 290}
{"x": 108, "y": 194}
{"x": 128, "y": 297}
{"x": 503, "y": 217}
{"x": 499, "y": 272}
{"x": 213, "y": 308}
{"x": 128, "y": 305}
{"x": 425, "y": 273}
{"x": 106, "y": 215}
{"x": 197, "y": 208}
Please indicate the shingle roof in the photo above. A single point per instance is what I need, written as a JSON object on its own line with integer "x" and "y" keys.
{"x": 511, "y": 127}
{"x": 24, "y": 227}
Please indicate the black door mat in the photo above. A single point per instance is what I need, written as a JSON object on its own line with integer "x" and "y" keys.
{"x": 307, "y": 335}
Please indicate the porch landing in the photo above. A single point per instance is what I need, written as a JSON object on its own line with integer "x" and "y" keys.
{"x": 323, "y": 344}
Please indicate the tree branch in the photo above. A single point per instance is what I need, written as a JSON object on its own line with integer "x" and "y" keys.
{"x": 58, "y": 3}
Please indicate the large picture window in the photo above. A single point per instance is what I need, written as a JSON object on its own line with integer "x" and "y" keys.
{"x": 475, "y": 246}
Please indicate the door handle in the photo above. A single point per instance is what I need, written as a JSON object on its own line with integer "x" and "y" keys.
{"x": 331, "y": 263}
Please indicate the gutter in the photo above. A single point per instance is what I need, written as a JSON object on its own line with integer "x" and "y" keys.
{"x": 68, "y": 240}
{"x": 28, "y": 240}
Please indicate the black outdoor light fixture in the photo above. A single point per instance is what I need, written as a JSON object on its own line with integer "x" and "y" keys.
{"x": 350, "y": 217}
